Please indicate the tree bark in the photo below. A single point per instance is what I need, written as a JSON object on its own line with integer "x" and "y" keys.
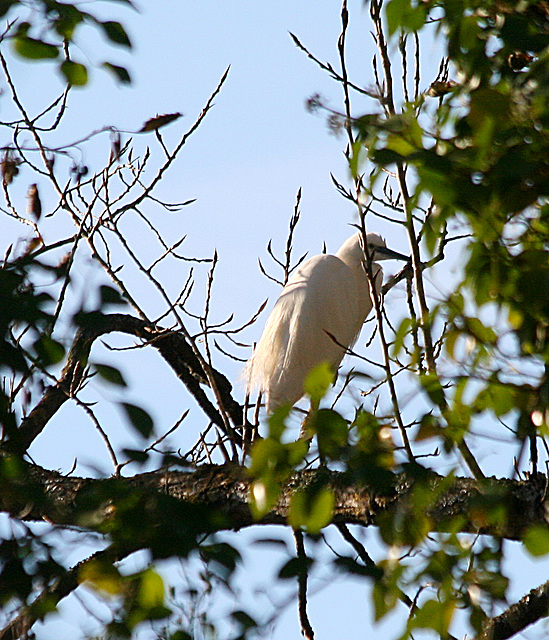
{"x": 530, "y": 609}
{"x": 40, "y": 494}
{"x": 221, "y": 492}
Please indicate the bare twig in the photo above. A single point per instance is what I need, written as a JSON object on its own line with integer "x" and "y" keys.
{"x": 306, "y": 628}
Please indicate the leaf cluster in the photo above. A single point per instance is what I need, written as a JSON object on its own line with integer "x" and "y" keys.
{"x": 51, "y": 26}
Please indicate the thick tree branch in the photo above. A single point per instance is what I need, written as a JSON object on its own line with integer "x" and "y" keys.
{"x": 42, "y": 494}
{"x": 167, "y": 511}
{"x": 530, "y": 609}
{"x": 172, "y": 346}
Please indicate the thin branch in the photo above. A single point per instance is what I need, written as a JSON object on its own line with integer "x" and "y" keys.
{"x": 302, "y": 578}
{"x": 175, "y": 152}
{"x": 333, "y": 73}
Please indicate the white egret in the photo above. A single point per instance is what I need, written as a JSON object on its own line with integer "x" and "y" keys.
{"x": 317, "y": 317}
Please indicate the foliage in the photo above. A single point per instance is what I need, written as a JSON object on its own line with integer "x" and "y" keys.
{"x": 46, "y": 29}
{"x": 463, "y": 162}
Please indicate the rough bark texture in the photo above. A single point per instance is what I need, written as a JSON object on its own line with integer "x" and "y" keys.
{"x": 530, "y": 609}
{"x": 222, "y": 492}
{"x": 225, "y": 489}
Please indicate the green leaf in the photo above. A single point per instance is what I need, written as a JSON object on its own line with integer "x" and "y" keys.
{"x": 356, "y": 156}
{"x": 145, "y": 598}
{"x": 484, "y": 334}
{"x": 432, "y": 386}
{"x": 139, "y": 419}
{"x": 68, "y": 19}
{"x": 265, "y": 456}
{"x": 34, "y": 49}
{"x": 332, "y": 432}
{"x": 401, "y": 333}
{"x": 384, "y": 599}
{"x": 497, "y": 397}
{"x": 394, "y": 12}
{"x": 434, "y": 615}
{"x": 277, "y": 421}
{"x": 311, "y": 511}
{"x": 263, "y": 496}
{"x": 450, "y": 338}
{"x": 121, "y": 74}
{"x": 536, "y": 540}
{"x": 402, "y": 15}
{"x": 429, "y": 427}
{"x": 272, "y": 464}
{"x": 151, "y": 589}
{"x": 116, "y": 33}
{"x": 317, "y": 382}
{"x": 102, "y": 576}
{"x": 110, "y": 374}
{"x": 75, "y": 73}
{"x": 49, "y": 351}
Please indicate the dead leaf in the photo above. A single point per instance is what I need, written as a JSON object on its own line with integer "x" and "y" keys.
{"x": 159, "y": 121}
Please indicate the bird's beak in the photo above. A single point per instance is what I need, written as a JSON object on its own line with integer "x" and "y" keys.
{"x": 385, "y": 253}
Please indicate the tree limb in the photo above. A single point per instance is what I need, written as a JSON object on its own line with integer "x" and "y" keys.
{"x": 40, "y": 494}
{"x": 21, "y": 625}
{"x": 175, "y": 508}
{"x": 530, "y": 609}
{"x": 172, "y": 346}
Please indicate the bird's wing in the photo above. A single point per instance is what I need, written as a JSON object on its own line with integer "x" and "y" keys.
{"x": 318, "y": 302}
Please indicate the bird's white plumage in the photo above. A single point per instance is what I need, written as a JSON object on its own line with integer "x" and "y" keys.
{"x": 326, "y": 295}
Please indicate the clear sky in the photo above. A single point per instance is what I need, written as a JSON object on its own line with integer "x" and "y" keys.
{"x": 244, "y": 166}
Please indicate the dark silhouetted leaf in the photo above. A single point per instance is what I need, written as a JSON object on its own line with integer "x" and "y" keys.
{"x": 110, "y": 374}
{"x": 120, "y": 73}
{"x": 139, "y": 418}
{"x": 295, "y": 567}
{"x": 135, "y": 455}
{"x": 244, "y": 619}
{"x": 6, "y": 5}
{"x": 110, "y": 295}
{"x": 116, "y": 33}
{"x": 159, "y": 121}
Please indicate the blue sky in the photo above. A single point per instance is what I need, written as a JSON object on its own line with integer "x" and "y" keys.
{"x": 244, "y": 166}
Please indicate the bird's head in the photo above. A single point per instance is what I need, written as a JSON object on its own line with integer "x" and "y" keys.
{"x": 352, "y": 250}
{"x": 377, "y": 249}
